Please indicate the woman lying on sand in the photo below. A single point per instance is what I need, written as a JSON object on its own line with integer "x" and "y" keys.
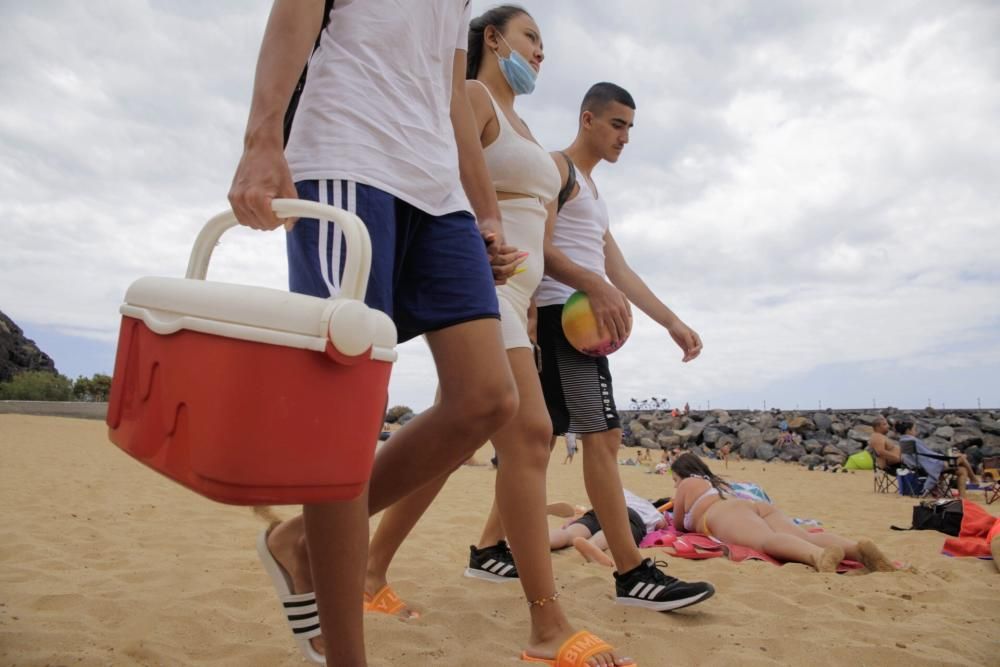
{"x": 699, "y": 505}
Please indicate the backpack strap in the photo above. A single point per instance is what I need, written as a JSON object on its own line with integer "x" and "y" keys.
{"x": 293, "y": 102}
{"x": 567, "y": 189}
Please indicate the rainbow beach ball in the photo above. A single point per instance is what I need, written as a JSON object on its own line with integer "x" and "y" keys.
{"x": 580, "y": 327}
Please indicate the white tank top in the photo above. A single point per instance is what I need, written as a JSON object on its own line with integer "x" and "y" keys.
{"x": 579, "y": 232}
{"x": 517, "y": 164}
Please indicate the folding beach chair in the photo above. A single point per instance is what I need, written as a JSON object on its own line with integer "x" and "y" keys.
{"x": 885, "y": 479}
{"x": 991, "y": 478}
{"x": 948, "y": 477}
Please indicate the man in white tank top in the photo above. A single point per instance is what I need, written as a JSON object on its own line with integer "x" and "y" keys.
{"x": 384, "y": 129}
{"x": 581, "y": 254}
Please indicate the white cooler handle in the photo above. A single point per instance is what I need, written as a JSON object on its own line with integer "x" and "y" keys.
{"x": 359, "y": 245}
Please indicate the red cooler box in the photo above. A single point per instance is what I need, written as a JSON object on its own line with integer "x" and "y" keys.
{"x": 250, "y": 395}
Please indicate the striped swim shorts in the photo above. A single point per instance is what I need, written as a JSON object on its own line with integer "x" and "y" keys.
{"x": 577, "y": 388}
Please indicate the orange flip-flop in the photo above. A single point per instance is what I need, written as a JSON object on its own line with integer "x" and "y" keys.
{"x": 386, "y": 602}
{"x": 575, "y": 651}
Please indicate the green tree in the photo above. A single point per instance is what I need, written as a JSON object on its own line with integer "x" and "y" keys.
{"x": 100, "y": 386}
{"x": 94, "y": 388}
{"x": 82, "y": 389}
{"x": 395, "y": 412}
{"x": 37, "y": 386}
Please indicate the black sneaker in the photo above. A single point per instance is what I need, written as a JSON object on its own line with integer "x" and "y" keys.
{"x": 494, "y": 563}
{"x": 646, "y": 586}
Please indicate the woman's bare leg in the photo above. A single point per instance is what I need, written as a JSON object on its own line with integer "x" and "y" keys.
{"x": 523, "y": 449}
{"x": 738, "y": 521}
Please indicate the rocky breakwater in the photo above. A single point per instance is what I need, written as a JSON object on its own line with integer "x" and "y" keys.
{"x": 828, "y": 436}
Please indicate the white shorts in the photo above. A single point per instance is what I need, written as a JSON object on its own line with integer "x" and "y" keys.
{"x": 523, "y": 228}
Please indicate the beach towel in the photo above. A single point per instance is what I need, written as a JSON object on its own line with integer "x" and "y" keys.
{"x": 696, "y": 546}
{"x": 750, "y": 491}
{"x": 979, "y": 527}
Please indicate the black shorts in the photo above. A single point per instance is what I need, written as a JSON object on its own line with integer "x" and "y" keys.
{"x": 635, "y": 524}
{"x": 577, "y": 388}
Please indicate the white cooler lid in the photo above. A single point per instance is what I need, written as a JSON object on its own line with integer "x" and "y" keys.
{"x": 260, "y": 314}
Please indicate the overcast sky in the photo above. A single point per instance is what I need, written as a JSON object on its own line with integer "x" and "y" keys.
{"x": 813, "y": 186}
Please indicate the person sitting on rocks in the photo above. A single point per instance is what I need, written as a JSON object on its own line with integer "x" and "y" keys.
{"x": 929, "y": 464}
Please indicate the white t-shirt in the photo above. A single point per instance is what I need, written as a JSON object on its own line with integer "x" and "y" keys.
{"x": 650, "y": 515}
{"x": 377, "y": 101}
{"x": 579, "y": 232}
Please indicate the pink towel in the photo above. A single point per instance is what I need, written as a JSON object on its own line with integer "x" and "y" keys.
{"x": 698, "y": 547}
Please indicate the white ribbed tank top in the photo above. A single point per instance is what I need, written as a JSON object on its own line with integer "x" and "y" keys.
{"x": 579, "y": 232}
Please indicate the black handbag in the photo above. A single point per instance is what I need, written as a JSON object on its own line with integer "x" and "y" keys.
{"x": 944, "y": 516}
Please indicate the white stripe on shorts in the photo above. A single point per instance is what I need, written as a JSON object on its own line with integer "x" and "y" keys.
{"x": 324, "y": 231}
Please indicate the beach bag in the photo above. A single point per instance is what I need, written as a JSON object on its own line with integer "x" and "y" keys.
{"x": 860, "y": 461}
{"x": 250, "y": 395}
{"x": 944, "y": 516}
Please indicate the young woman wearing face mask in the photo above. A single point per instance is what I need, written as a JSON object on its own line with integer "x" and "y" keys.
{"x": 504, "y": 58}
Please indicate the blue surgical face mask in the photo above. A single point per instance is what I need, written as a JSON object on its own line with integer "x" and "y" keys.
{"x": 519, "y": 74}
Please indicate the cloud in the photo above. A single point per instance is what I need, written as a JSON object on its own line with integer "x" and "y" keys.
{"x": 812, "y": 187}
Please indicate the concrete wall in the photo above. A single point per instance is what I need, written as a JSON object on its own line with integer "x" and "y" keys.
{"x": 79, "y": 410}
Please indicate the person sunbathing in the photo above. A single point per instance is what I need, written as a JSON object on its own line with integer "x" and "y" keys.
{"x": 585, "y": 534}
{"x": 701, "y": 505}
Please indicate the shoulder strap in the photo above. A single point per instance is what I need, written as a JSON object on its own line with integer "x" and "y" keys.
{"x": 567, "y": 189}
{"x": 293, "y": 103}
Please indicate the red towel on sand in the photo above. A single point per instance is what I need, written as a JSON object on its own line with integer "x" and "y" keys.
{"x": 699, "y": 547}
{"x": 979, "y": 527}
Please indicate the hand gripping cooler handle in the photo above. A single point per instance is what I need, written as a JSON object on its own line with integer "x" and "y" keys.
{"x": 359, "y": 246}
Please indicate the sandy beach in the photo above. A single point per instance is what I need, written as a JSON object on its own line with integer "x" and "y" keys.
{"x": 103, "y": 562}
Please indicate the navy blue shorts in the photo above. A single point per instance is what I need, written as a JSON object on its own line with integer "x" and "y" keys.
{"x": 428, "y": 272}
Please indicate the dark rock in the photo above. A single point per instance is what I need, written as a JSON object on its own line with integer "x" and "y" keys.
{"x": 764, "y": 452}
{"x": 749, "y": 433}
{"x": 824, "y": 437}
{"x": 648, "y": 443}
{"x": 771, "y": 435}
{"x": 990, "y": 426}
{"x": 711, "y": 435}
{"x": 721, "y": 416}
{"x": 867, "y": 419}
{"x": 832, "y": 449}
{"x": 749, "y": 448}
{"x": 660, "y": 425}
{"x": 945, "y": 432}
{"x": 405, "y": 418}
{"x": 792, "y": 452}
{"x": 838, "y": 428}
{"x": 685, "y": 434}
{"x": 638, "y": 429}
{"x": 967, "y": 437}
{"x": 813, "y": 446}
{"x": 668, "y": 441}
{"x": 18, "y": 353}
{"x": 849, "y": 446}
{"x": 860, "y": 433}
{"x": 801, "y": 425}
{"x": 835, "y": 459}
{"x": 811, "y": 460}
{"x": 823, "y": 421}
